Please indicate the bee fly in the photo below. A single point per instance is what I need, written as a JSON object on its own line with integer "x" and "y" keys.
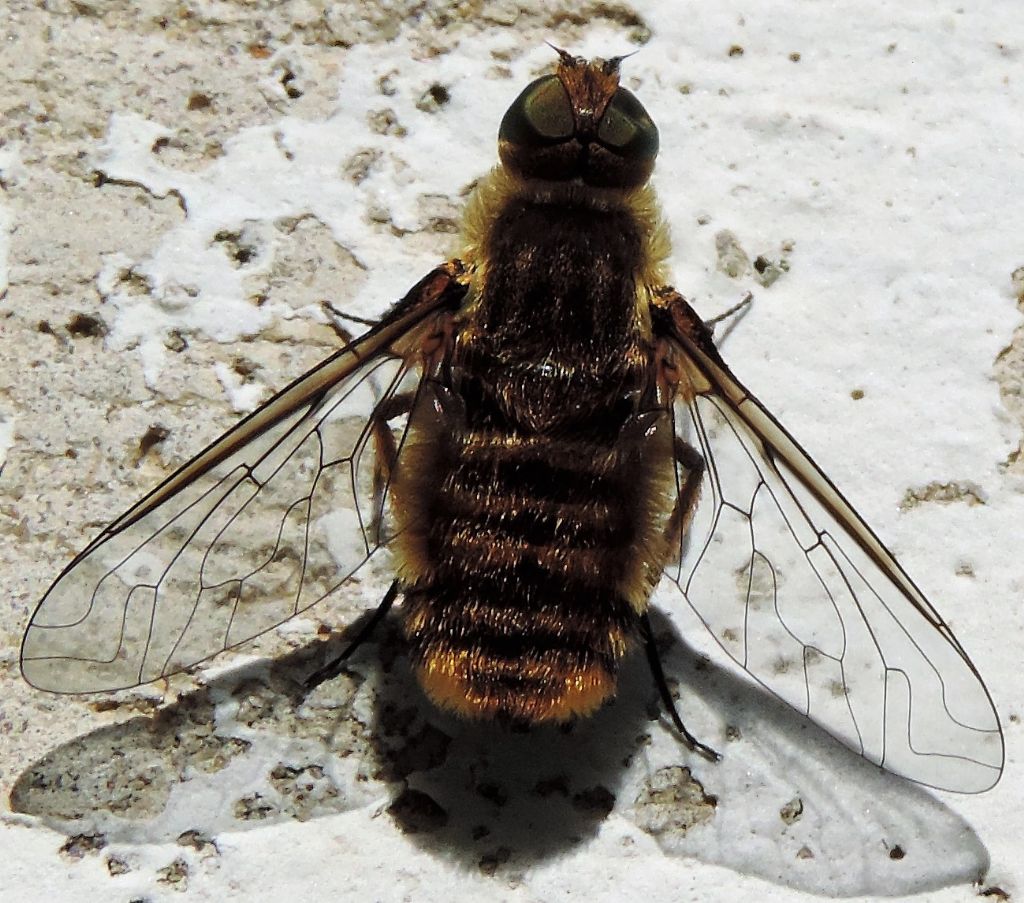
{"x": 530, "y": 431}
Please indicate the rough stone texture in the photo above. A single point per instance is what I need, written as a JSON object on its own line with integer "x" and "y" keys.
{"x": 91, "y": 432}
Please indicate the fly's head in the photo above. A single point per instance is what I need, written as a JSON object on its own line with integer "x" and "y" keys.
{"x": 579, "y": 125}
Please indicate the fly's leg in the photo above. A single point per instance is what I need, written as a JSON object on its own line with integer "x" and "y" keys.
{"x": 654, "y": 661}
{"x": 385, "y": 451}
{"x": 739, "y": 309}
{"x": 689, "y": 494}
{"x": 385, "y": 456}
{"x": 335, "y": 316}
{"x": 334, "y": 667}
{"x": 679, "y": 523}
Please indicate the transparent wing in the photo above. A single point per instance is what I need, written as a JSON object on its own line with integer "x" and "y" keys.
{"x": 799, "y": 591}
{"x": 274, "y": 516}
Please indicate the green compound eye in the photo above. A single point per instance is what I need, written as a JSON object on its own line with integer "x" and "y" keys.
{"x": 616, "y": 130}
{"x": 544, "y": 136}
{"x": 626, "y": 128}
{"x": 541, "y": 114}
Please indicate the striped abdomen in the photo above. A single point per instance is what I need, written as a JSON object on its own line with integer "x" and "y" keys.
{"x": 532, "y": 498}
{"x": 527, "y": 561}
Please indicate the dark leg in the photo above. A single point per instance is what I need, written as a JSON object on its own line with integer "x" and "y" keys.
{"x": 740, "y": 307}
{"x": 334, "y": 315}
{"x": 383, "y": 439}
{"x": 385, "y": 452}
{"x": 333, "y": 667}
{"x": 689, "y": 493}
{"x": 679, "y": 522}
{"x": 654, "y": 660}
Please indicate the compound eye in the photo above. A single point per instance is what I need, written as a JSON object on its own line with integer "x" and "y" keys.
{"x": 540, "y": 115}
{"x": 626, "y": 128}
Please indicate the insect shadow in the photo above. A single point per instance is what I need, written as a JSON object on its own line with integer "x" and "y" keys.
{"x": 787, "y": 803}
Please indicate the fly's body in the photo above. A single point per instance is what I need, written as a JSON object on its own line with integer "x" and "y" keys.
{"x": 533, "y": 519}
{"x": 542, "y": 430}
{"x": 539, "y": 508}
